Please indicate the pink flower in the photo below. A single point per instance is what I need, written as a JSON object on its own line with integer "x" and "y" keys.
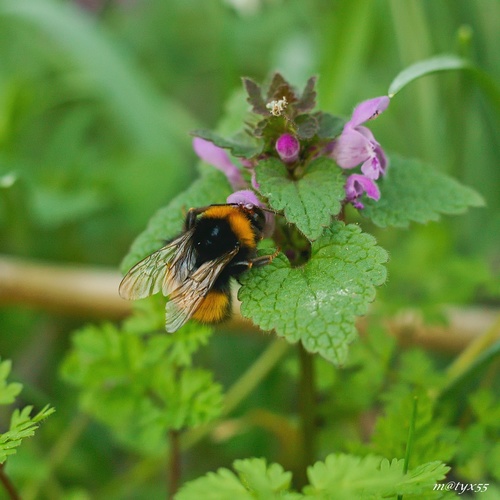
{"x": 217, "y": 157}
{"x": 356, "y": 185}
{"x": 356, "y": 144}
{"x": 248, "y": 197}
{"x": 288, "y": 148}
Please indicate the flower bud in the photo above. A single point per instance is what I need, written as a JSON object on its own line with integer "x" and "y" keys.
{"x": 288, "y": 148}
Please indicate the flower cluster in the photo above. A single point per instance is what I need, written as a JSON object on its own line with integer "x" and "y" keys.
{"x": 294, "y": 137}
{"x": 356, "y": 145}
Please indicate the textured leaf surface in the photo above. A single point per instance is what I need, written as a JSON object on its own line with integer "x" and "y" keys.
{"x": 318, "y": 302}
{"x": 422, "y": 479}
{"x": 255, "y": 480}
{"x": 211, "y": 187}
{"x": 308, "y": 202}
{"x": 413, "y": 191}
{"x": 338, "y": 477}
{"x": 349, "y": 477}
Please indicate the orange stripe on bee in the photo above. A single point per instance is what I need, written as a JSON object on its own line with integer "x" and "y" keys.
{"x": 240, "y": 224}
{"x": 216, "y": 307}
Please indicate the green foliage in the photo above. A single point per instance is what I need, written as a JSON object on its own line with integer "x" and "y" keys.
{"x": 433, "y": 438}
{"x": 338, "y": 477}
{"x": 8, "y": 391}
{"x": 308, "y": 202}
{"x": 427, "y": 67}
{"x": 96, "y": 108}
{"x": 428, "y": 270}
{"x": 22, "y": 425}
{"x": 413, "y": 191}
{"x": 141, "y": 385}
{"x": 318, "y": 302}
{"x": 479, "y": 443}
{"x": 254, "y": 479}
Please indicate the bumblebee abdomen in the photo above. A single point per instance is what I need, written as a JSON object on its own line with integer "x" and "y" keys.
{"x": 215, "y": 307}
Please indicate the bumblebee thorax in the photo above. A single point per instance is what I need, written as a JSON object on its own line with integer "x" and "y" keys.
{"x": 213, "y": 237}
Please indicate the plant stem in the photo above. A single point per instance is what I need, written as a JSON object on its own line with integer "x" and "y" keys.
{"x": 241, "y": 389}
{"x": 174, "y": 466}
{"x": 409, "y": 442}
{"x": 307, "y": 412}
{"x": 7, "y": 484}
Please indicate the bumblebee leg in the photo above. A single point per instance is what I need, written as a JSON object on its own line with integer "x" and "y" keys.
{"x": 258, "y": 261}
{"x": 263, "y": 260}
{"x": 191, "y": 216}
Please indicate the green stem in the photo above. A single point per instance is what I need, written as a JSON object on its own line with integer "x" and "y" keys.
{"x": 411, "y": 434}
{"x": 307, "y": 412}
{"x": 472, "y": 352}
{"x": 240, "y": 389}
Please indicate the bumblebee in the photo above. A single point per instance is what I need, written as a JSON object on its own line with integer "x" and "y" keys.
{"x": 194, "y": 269}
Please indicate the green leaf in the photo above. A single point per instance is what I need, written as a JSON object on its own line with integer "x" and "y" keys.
{"x": 421, "y": 479}
{"x": 427, "y": 67}
{"x": 211, "y": 187}
{"x": 263, "y": 480}
{"x": 8, "y": 391}
{"x": 318, "y": 302}
{"x": 142, "y": 386}
{"x": 350, "y": 477}
{"x": 307, "y": 126}
{"x": 330, "y": 126}
{"x": 255, "y": 480}
{"x": 308, "y": 202}
{"x": 21, "y": 427}
{"x": 241, "y": 145}
{"x": 414, "y": 191}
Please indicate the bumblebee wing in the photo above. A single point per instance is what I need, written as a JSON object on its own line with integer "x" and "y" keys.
{"x": 163, "y": 270}
{"x": 185, "y": 299}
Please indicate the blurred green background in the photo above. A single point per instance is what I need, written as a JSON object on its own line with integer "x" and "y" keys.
{"x": 97, "y": 99}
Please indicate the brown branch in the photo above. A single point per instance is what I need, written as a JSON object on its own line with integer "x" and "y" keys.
{"x": 74, "y": 290}
{"x": 7, "y": 484}
{"x": 93, "y": 292}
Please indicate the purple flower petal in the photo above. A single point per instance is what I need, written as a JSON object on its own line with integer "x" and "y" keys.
{"x": 371, "y": 168}
{"x": 244, "y": 197}
{"x": 368, "y": 110}
{"x": 248, "y": 197}
{"x": 212, "y": 154}
{"x": 382, "y": 158}
{"x": 357, "y": 184}
{"x": 351, "y": 148}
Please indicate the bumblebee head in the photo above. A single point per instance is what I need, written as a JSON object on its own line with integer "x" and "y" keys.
{"x": 256, "y": 216}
